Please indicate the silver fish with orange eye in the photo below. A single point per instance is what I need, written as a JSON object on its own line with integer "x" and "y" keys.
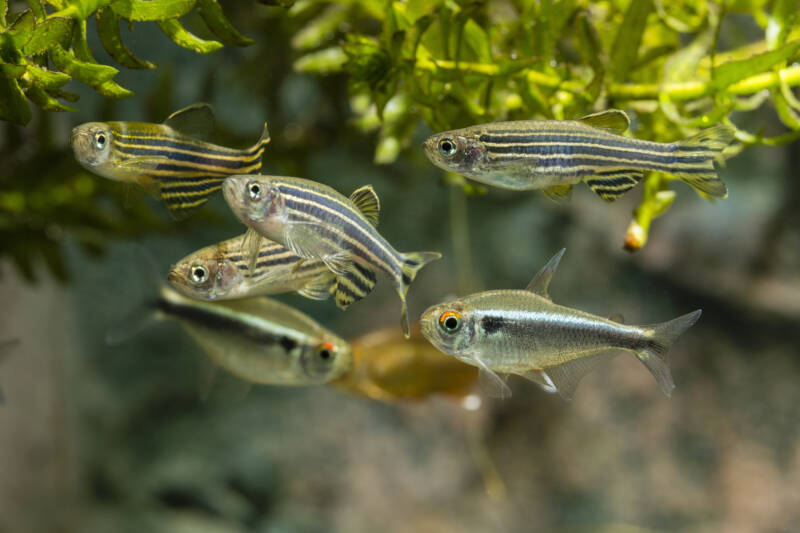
{"x": 523, "y": 332}
{"x": 552, "y": 155}
{"x": 260, "y": 340}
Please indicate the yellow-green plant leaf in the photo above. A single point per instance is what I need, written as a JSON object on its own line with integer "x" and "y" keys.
{"x": 182, "y": 37}
{"x": 47, "y": 79}
{"x": 110, "y": 36}
{"x": 39, "y": 96}
{"x": 729, "y": 73}
{"x": 111, "y": 89}
{"x": 477, "y": 40}
{"x": 321, "y": 29}
{"x": 47, "y": 34}
{"x": 91, "y": 74}
{"x": 81, "y": 9}
{"x": 416, "y": 9}
{"x": 149, "y": 10}
{"x": 784, "y": 15}
{"x": 13, "y": 105}
{"x": 625, "y": 52}
{"x": 215, "y": 19}
{"x": 322, "y": 62}
{"x": 8, "y": 70}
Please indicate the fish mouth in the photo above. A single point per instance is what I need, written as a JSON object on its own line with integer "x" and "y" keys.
{"x": 174, "y": 278}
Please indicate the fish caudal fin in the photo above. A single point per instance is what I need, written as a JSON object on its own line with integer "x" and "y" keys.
{"x": 654, "y": 355}
{"x": 412, "y": 264}
{"x": 708, "y": 145}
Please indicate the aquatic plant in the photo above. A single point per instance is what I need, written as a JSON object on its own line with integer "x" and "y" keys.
{"x": 457, "y": 63}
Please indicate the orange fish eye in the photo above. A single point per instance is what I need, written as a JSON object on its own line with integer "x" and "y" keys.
{"x": 325, "y": 350}
{"x": 450, "y": 321}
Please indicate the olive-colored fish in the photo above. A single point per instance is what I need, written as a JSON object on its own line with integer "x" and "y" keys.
{"x": 260, "y": 340}
{"x": 316, "y": 222}
{"x": 523, "y": 332}
{"x": 552, "y": 155}
{"x": 389, "y": 368}
{"x": 170, "y": 160}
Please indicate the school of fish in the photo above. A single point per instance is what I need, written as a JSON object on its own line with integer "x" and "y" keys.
{"x": 305, "y": 237}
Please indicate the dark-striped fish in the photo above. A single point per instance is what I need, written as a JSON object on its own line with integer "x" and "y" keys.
{"x": 523, "y": 332}
{"x": 552, "y": 155}
{"x": 223, "y": 271}
{"x": 170, "y": 160}
{"x": 260, "y": 340}
{"x": 316, "y": 222}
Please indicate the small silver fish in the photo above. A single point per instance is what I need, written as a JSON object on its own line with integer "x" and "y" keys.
{"x": 260, "y": 340}
{"x": 316, "y": 222}
{"x": 523, "y": 332}
{"x": 552, "y": 155}
{"x": 223, "y": 272}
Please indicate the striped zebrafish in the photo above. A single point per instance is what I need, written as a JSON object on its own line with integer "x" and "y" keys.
{"x": 523, "y": 332}
{"x": 260, "y": 340}
{"x": 316, "y": 222}
{"x": 552, "y": 155}
{"x": 170, "y": 160}
{"x": 222, "y": 271}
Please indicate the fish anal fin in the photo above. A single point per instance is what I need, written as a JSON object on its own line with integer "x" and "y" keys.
{"x": 566, "y": 376}
{"x": 490, "y": 382}
{"x": 366, "y": 200}
{"x": 558, "y": 193}
{"x": 541, "y": 378}
{"x": 195, "y": 121}
{"x": 611, "y": 120}
{"x": 541, "y": 281}
{"x": 353, "y": 285}
{"x": 320, "y": 287}
{"x": 181, "y": 197}
{"x": 611, "y": 185}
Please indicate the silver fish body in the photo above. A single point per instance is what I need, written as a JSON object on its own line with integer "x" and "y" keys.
{"x": 523, "y": 332}
{"x": 316, "y": 222}
{"x": 260, "y": 340}
{"x": 552, "y": 155}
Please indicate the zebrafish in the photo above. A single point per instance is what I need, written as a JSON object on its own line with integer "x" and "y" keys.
{"x": 552, "y": 155}
{"x": 316, "y": 222}
{"x": 223, "y": 272}
{"x": 260, "y": 340}
{"x": 170, "y": 160}
{"x": 523, "y": 332}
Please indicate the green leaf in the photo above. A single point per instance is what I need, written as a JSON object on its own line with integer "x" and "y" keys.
{"x": 182, "y": 37}
{"x": 111, "y": 89}
{"x": 729, "y": 73}
{"x": 784, "y": 16}
{"x": 47, "y": 34}
{"x": 149, "y": 10}
{"x": 91, "y": 74}
{"x": 111, "y": 38}
{"x": 13, "y": 105}
{"x": 323, "y": 61}
{"x": 477, "y": 40}
{"x": 416, "y": 9}
{"x": 81, "y": 9}
{"x": 39, "y": 96}
{"x": 625, "y": 52}
{"x": 9, "y": 70}
{"x": 321, "y": 29}
{"x": 215, "y": 19}
{"x": 47, "y": 79}
{"x": 19, "y": 32}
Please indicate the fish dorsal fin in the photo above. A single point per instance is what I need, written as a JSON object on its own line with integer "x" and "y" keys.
{"x": 611, "y": 120}
{"x": 195, "y": 121}
{"x": 366, "y": 200}
{"x": 541, "y": 280}
{"x": 566, "y": 376}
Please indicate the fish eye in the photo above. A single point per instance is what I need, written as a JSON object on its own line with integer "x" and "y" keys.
{"x": 199, "y": 273}
{"x": 447, "y": 147}
{"x": 325, "y": 351}
{"x": 254, "y": 190}
{"x": 100, "y": 140}
{"x": 450, "y": 321}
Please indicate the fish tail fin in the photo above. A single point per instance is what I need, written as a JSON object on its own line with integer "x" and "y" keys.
{"x": 412, "y": 264}
{"x": 654, "y": 354}
{"x": 708, "y": 145}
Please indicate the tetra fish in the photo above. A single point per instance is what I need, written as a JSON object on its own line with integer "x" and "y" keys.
{"x": 316, "y": 222}
{"x": 170, "y": 160}
{"x": 552, "y": 155}
{"x": 523, "y": 332}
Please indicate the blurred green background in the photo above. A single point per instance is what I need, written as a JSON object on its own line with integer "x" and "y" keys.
{"x": 96, "y": 438}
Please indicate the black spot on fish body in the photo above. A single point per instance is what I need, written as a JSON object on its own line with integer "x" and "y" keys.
{"x": 492, "y": 324}
{"x": 406, "y": 279}
{"x": 287, "y": 344}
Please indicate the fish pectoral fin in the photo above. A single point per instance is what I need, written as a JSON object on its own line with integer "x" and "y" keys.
{"x": 195, "y": 121}
{"x": 541, "y": 378}
{"x": 566, "y": 376}
{"x": 366, "y": 200}
{"x": 297, "y": 266}
{"x": 353, "y": 285}
{"x": 339, "y": 263}
{"x": 251, "y": 245}
{"x": 610, "y": 120}
{"x": 541, "y": 281}
{"x": 610, "y": 185}
{"x": 299, "y": 239}
{"x": 490, "y": 382}
{"x": 558, "y": 193}
{"x": 319, "y": 288}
